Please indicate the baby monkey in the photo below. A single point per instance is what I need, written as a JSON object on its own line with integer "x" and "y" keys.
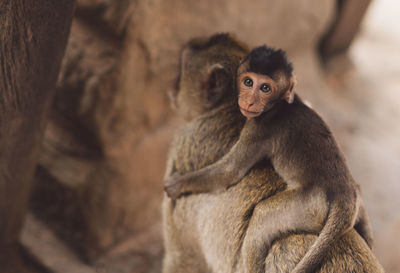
{"x": 321, "y": 195}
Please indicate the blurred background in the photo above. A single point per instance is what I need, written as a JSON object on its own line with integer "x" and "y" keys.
{"x": 93, "y": 204}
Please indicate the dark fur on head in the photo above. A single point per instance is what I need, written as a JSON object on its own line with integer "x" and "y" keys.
{"x": 267, "y": 60}
{"x": 223, "y": 41}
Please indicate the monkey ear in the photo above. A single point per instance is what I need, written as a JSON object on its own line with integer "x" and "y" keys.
{"x": 289, "y": 94}
{"x": 215, "y": 85}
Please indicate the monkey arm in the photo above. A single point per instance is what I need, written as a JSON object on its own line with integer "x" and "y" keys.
{"x": 227, "y": 171}
{"x": 170, "y": 167}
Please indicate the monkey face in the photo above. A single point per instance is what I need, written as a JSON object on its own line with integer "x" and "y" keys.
{"x": 257, "y": 92}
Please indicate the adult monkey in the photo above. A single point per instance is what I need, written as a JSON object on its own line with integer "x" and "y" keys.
{"x": 321, "y": 197}
{"x": 204, "y": 232}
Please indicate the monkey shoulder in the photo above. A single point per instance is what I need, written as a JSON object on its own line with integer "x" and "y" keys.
{"x": 303, "y": 135}
{"x": 207, "y": 138}
{"x": 306, "y": 121}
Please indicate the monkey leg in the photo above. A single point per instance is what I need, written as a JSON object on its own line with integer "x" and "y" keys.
{"x": 347, "y": 254}
{"x": 181, "y": 263}
{"x": 290, "y": 210}
{"x": 363, "y": 225}
{"x": 181, "y": 253}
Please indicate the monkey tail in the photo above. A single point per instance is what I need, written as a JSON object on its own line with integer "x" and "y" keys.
{"x": 341, "y": 217}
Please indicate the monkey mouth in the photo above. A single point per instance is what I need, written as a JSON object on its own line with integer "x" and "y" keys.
{"x": 249, "y": 114}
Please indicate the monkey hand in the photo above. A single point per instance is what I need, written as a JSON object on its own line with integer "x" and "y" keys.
{"x": 174, "y": 186}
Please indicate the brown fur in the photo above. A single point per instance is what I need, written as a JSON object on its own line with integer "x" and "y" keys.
{"x": 321, "y": 197}
{"x": 205, "y": 232}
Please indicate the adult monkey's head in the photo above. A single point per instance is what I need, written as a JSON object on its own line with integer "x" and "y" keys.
{"x": 207, "y": 74}
{"x": 265, "y": 77}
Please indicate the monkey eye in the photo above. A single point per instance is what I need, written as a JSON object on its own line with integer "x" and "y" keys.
{"x": 265, "y": 88}
{"x": 248, "y": 82}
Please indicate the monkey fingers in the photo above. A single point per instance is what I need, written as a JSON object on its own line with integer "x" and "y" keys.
{"x": 174, "y": 186}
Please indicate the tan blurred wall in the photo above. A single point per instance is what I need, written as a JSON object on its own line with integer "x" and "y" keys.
{"x": 100, "y": 176}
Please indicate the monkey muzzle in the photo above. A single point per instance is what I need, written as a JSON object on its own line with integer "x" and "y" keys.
{"x": 249, "y": 114}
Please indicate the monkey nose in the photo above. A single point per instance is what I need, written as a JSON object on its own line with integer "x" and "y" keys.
{"x": 249, "y": 106}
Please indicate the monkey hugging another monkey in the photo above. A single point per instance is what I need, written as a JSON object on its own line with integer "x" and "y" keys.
{"x": 262, "y": 224}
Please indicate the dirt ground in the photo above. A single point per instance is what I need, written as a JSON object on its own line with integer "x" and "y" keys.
{"x": 363, "y": 109}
